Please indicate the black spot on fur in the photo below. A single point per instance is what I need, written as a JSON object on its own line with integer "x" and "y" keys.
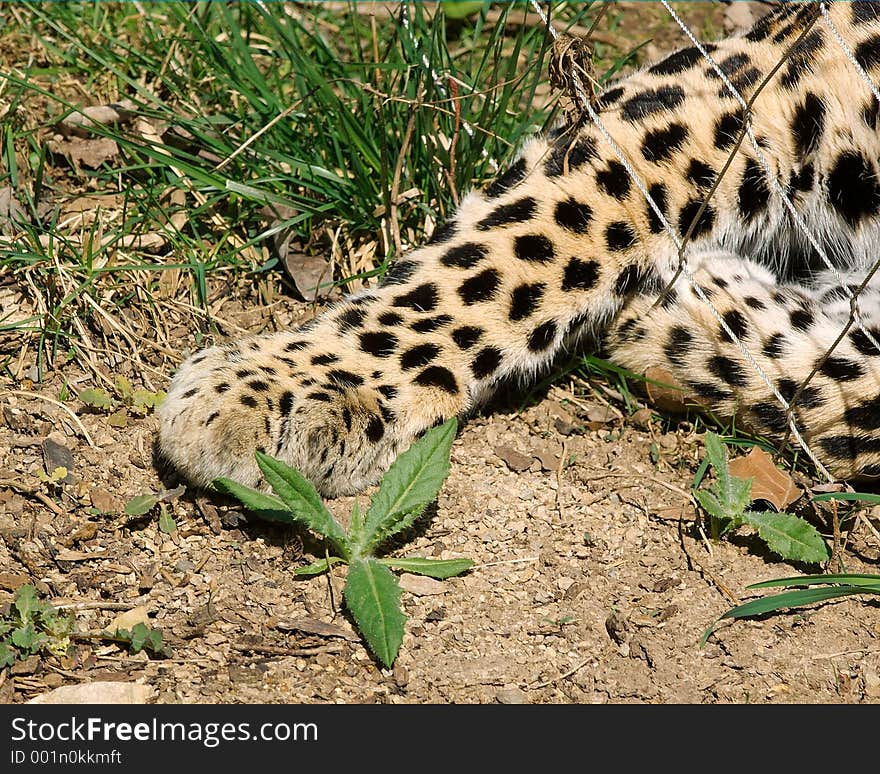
{"x": 190, "y": 393}
{"x": 400, "y": 272}
{"x": 542, "y": 337}
{"x": 619, "y": 235}
{"x": 800, "y": 58}
{"x": 709, "y": 391}
{"x": 505, "y": 214}
{"x": 443, "y": 233}
{"x": 614, "y": 180}
{"x": 285, "y": 405}
{"x": 430, "y": 324}
{"x": 772, "y": 416}
{"x": 679, "y": 61}
{"x": 753, "y": 194}
{"x": 387, "y": 391}
{"x": 727, "y": 129}
{"x": 571, "y": 154}
{"x": 687, "y": 215}
{"x": 343, "y": 378}
{"x": 632, "y": 279}
{"x": 651, "y": 101}
{"x": 486, "y": 362}
{"x": 438, "y": 376}
{"x": 534, "y": 248}
{"x": 294, "y": 346}
{"x": 346, "y": 418}
{"x": 841, "y": 447}
{"x": 420, "y": 355}
{"x": 525, "y": 299}
{"x": 248, "y": 400}
{"x": 853, "y": 188}
{"x": 391, "y": 319}
{"x": 327, "y": 359}
{"x": 482, "y": 287}
{"x": 243, "y": 373}
{"x": 465, "y": 256}
{"x": 609, "y": 97}
{"x": 808, "y": 124}
{"x": 754, "y": 303}
{"x": 375, "y": 429}
{"x": 211, "y": 418}
{"x": 866, "y": 415}
{"x": 422, "y": 298}
{"x": 741, "y": 82}
{"x": 580, "y": 275}
{"x": 658, "y": 194}
{"x": 573, "y": 215}
{"x": 865, "y": 12}
{"x": 736, "y": 321}
{"x": 803, "y": 180}
{"x": 810, "y": 396}
{"x": 868, "y": 52}
{"x": 863, "y": 344}
{"x": 258, "y": 385}
{"x": 660, "y": 144}
{"x": 378, "y": 343}
{"x": 842, "y": 369}
{"x": 509, "y": 179}
{"x": 728, "y": 371}
{"x": 466, "y": 336}
{"x": 700, "y": 173}
{"x": 801, "y": 319}
{"x": 729, "y": 65}
{"x": 678, "y": 345}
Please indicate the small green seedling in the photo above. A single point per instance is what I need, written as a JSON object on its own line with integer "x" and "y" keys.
{"x": 31, "y": 626}
{"x": 725, "y": 501}
{"x": 372, "y": 592}
{"x": 140, "y": 637}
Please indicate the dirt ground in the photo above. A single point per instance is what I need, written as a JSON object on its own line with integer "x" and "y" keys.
{"x": 591, "y": 583}
{"x": 590, "y": 586}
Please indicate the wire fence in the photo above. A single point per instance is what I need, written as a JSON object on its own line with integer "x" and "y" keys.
{"x": 581, "y": 94}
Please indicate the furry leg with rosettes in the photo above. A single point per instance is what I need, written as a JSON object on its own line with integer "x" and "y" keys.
{"x": 563, "y": 241}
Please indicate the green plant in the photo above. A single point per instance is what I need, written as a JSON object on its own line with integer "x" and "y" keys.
{"x": 726, "y": 500}
{"x": 372, "y": 592}
{"x": 31, "y": 626}
{"x": 819, "y": 588}
{"x": 140, "y": 637}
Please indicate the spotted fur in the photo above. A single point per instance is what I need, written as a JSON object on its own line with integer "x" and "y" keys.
{"x": 563, "y": 246}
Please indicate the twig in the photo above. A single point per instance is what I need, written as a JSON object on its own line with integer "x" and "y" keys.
{"x": 272, "y": 650}
{"x": 561, "y": 677}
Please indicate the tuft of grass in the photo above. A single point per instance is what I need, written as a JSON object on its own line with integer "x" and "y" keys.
{"x": 372, "y": 593}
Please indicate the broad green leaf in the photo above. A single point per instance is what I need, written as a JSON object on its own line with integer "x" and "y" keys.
{"x": 435, "y": 568}
{"x": 316, "y": 568}
{"x": 303, "y": 501}
{"x": 372, "y": 594}
{"x": 7, "y": 655}
{"x": 122, "y": 386}
{"x": 139, "y": 635}
{"x": 409, "y": 486}
{"x": 809, "y": 580}
{"x": 266, "y": 506}
{"x": 27, "y": 602}
{"x": 166, "y": 521}
{"x": 710, "y": 504}
{"x": 96, "y": 398}
{"x": 863, "y": 497}
{"x": 356, "y": 525}
{"x": 141, "y": 504}
{"x": 789, "y": 536}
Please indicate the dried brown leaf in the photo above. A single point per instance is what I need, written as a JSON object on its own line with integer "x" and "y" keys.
{"x": 768, "y": 482}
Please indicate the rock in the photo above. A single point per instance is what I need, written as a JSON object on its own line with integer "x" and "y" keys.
{"x": 96, "y": 693}
{"x": 421, "y": 586}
